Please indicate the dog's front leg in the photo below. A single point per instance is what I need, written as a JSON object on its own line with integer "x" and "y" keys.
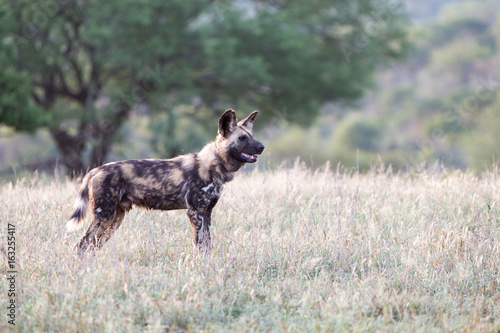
{"x": 200, "y": 222}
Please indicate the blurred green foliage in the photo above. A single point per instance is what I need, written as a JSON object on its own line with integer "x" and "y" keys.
{"x": 358, "y": 132}
{"x": 177, "y": 65}
{"x": 481, "y": 145}
{"x": 179, "y": 131}
{"x": 16, "y": 109}
{"x": 88, "y": 65}
{"x": 439, "y": 106}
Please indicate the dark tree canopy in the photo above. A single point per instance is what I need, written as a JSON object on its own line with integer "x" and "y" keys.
{"x": 78, "y": 67}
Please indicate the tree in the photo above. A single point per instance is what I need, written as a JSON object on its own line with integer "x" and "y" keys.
{"x": 15, "y": 86}
{"x": 87, "y": 64}
{"x": 77, "y": 52}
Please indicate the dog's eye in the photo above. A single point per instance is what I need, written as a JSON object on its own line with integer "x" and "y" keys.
{"x": 242, "y": 138}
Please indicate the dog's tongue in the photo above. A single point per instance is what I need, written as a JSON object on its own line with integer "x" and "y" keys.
{"x": 248, "y": 156}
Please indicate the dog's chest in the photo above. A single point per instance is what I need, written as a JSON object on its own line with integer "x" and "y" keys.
{"x": 204, "y": 195}
{"x": 211, "y": 191}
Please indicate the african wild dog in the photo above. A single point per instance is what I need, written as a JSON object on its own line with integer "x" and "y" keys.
{"x": 192, "y": 181}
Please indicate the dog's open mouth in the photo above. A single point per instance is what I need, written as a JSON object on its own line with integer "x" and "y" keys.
{"x": 248, "y": 158}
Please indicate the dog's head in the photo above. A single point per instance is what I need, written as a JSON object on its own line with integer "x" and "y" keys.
{"x": 235, "y": 141}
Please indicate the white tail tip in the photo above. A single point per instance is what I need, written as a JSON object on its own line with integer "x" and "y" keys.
{"x": 73, "y": 225}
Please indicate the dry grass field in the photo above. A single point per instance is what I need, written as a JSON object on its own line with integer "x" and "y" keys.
{"x": 293, "y": 250}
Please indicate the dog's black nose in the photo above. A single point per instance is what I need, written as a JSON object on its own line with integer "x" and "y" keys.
{"x": 260, "y": 148}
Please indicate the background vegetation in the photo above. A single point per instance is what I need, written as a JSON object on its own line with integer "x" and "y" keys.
{"x": 81, "y": 70}
{"x": 437, "y": 106}
{"x": 307, "y": 77}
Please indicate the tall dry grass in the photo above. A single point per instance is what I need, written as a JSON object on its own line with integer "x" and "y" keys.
{"x": 294, "y": 250}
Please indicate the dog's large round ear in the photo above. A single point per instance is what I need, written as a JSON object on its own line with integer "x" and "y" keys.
{"x": 248, "y": 121}
{"x": 227, "y": 123}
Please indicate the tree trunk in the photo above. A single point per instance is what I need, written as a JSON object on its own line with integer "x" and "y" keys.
{"x": 70, "y": 149}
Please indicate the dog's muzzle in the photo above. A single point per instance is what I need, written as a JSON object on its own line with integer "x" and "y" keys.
{"x": 252, "y": 158}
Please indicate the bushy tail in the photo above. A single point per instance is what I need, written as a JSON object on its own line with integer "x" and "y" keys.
{"x": 81, "y": 203}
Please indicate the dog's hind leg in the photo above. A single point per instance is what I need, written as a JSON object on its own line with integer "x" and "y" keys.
{"x": 100, "y": 231}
